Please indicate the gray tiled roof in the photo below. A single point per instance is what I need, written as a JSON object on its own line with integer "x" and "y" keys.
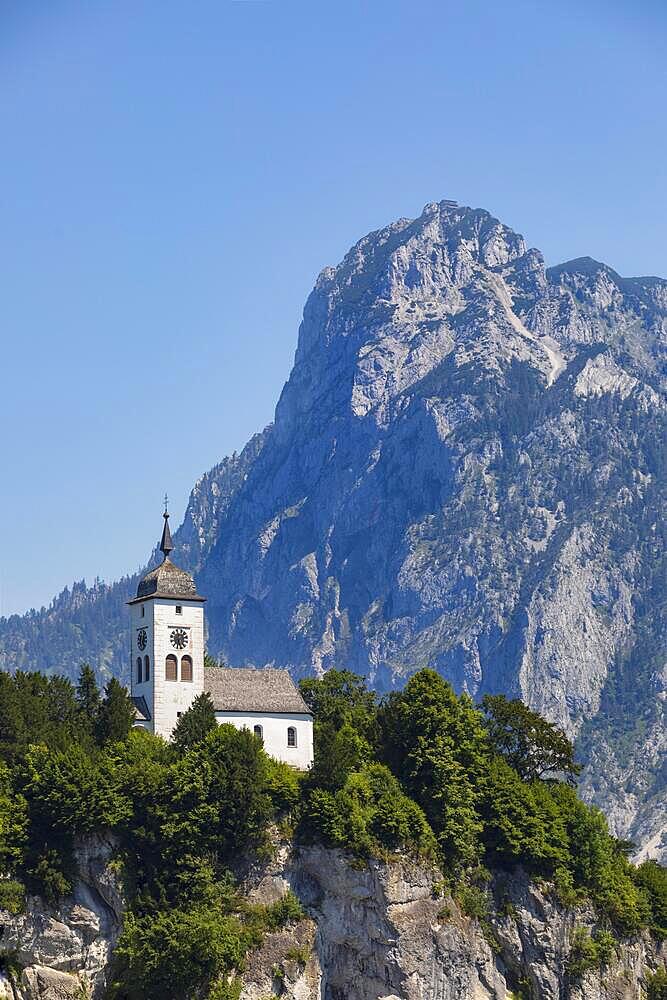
{"x": 247, "y": 689}
{"x": 141, "y": 710}
{"x": 167, "y": 580}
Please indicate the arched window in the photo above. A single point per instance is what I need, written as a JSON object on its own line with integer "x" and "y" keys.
{"x": 147, "y": 668}
{"x": 258, "y": 731}
{"x": 139, "y": 678}
{"x": 291, "y": 736}
{"x": 186, "y": 668}
{"x": 171, "y": 668}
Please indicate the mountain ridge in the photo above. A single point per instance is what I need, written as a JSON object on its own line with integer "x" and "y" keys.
{"x": 464, "y": 470}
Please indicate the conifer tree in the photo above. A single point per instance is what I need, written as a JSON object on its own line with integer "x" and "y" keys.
{"x": 195, "y": 724}
{"x": 88, "y": 694}
{"x": 116, "y": 714}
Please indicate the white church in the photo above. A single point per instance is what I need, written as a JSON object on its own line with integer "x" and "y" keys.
{"x": 168, "y": 672}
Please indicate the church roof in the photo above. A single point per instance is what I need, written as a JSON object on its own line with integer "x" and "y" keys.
{"x": 167, "y": 579}
{"x": 248, "y": 689}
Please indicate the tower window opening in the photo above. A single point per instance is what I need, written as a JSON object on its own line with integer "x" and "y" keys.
{"x": 143, "y": 611}
{"x": 291, "y": 736}
{"x": 147, "y": 668}
{"x": 259, "y": 732}
{"x": 186, "y": 668}
{"x": 179, "y": 609}
{"x": 171, "y": 668}
{"x": 139, "y": 677}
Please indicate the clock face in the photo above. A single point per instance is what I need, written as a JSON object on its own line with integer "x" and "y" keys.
{"x": 179, "y": 638}
{"x": 142, "y": 638}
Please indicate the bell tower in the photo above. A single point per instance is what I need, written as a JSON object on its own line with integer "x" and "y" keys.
{"x": 167, "y": 642}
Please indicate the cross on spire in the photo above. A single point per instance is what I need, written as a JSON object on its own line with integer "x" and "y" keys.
{"x": 166, "y": 545}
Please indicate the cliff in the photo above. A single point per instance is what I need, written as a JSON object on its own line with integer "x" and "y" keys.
{"x": 380, "y": 930}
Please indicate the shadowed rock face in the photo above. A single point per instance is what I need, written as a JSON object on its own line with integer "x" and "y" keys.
{"x": 466, "y": 472}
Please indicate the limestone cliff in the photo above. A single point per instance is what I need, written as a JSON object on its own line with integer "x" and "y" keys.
{"x": 56, "y": 954}
{"x": 373, "y": 931}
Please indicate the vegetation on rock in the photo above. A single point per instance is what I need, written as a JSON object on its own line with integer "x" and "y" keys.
{"x": 422, "y": 771}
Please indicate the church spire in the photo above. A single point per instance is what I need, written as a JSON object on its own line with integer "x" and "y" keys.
{"x": 166, "y": 545}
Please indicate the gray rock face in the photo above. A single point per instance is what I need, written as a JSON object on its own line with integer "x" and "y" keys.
{"x": 373, "y": 932}
{"x": 65, "y": 953}
{"x": 383, "y": 932}
{"x": 465, "y": 471}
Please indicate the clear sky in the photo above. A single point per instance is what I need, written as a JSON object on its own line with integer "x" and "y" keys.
{"x": 173, "y": 176}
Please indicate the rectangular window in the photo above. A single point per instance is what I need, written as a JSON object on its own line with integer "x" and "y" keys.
{"x": 143, "y": 611}
{"x": 179, "y": 609}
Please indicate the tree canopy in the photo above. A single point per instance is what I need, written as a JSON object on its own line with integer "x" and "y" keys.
{"x": 421, "y": 771}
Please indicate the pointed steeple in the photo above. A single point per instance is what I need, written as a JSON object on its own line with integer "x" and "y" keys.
{"x": 166, "y": 545}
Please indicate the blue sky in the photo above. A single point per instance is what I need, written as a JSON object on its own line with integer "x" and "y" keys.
{"x": 174, "y": 175}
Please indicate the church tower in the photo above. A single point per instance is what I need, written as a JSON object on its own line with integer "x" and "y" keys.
{"x": 167, "y": 636}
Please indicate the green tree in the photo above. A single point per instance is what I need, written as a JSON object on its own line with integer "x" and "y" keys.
{"x": 440, "y": 784}
{"x": 529, "y": 744}
{"x": 518, "y": 823}
{"x": 436, "y": 743}
{"x": 13, "y": 728}
{"x": 369, "y": 816}
{"x": 88, "y": 694}
{"x": 69, "y": 794}
{"x": 176, "y": 952}
{"x": 195, "y": 724}
{"x": 338, "y": 752}
{"x": 651, "y": 877}
{"x": 217, "y": 797}
{"x": 341, "y": 697}
{"x": 116, "y": 714}
{"x": 426, "y": 708}
{"x": 13, "y": 824}
{"x": 36, "y": 709}
{"x": 598, "y": 863}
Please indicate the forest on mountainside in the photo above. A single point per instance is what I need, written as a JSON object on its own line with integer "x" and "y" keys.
{"x": 470, "y": 789}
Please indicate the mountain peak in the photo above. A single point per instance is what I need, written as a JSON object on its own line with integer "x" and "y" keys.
{"x": 463, "y": 473}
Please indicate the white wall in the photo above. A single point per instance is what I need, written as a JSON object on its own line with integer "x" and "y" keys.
{"x": 166, "y": 700}
{"x": 274, "y": 727}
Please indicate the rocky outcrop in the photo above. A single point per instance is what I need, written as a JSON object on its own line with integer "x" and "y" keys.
{"x": 378, "y": 931}
{"x": 373, "y": 931}
{"x": 466, "y": 472}
{"x": 64, "y": 953}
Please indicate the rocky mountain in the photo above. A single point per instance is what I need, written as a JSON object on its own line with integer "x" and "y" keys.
{"x": 466, "y": 471}
{"x": 381, "y": 931}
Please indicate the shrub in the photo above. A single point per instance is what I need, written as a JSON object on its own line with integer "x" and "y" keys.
{"x": 473, "y": 900}
{"x": 283, "y": 911}
{"x": 583, "y": 955}
{"x": 177, "y": 952}
{"x": 656, "y": 985}
{"x": 12, "y": 896}
{"x": 299, "y": 954}
{"x": 283, "y": 785}
{"x": 588, "y": 952}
